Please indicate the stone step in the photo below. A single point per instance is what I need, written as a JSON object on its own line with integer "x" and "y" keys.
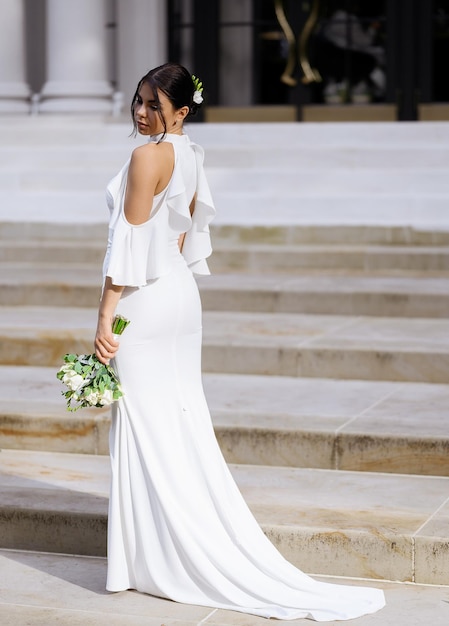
{"x": 294, "y": 183}
{"x": 362, "y": 232}
{"x": 261, "y": 258}
{"x": 323, "y": 159}
{"x": 63, "y": 583}
{"x": 73, "y": 211}
{"x": 325, "y": 207}
{"x": 329, "y": 346}
{"x": 280, "y": 421}
{"x": 386, "y": 526}
{"x": 365, "y": 136}
{"x": 29, "y": 284}
{"x": 355, "y": 293}
{"x": 290, "y": 157}
{"x": 93, "y": 131}
{"x": 315, "y": 346}
{"x": 87, "y": 231}
{"x": 390, "y": 215}
{"x": 251, "y": 257}
{"x": 315, "y": 292}
{"x": 64, "y": 179}
{"x": 54, "y": 158}
{"x": 57, "y": 252}
{"x": 340, "y": 182}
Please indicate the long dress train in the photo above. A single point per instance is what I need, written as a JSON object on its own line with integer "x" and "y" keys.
{"x": 178, "y": 525}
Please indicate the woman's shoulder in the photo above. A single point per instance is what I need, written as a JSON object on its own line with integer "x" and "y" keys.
{"x": 155, "y": 157}
{"x": 151, "y": 151}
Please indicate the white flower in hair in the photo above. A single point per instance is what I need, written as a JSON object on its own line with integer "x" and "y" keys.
{"x": 198, "y": 94}
{"x": 197, "y": 97}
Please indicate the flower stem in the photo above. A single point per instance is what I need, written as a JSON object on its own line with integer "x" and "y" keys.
{"x": 119, "y": 323}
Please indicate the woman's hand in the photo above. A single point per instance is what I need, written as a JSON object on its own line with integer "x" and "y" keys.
{"x": 105, "y": 344}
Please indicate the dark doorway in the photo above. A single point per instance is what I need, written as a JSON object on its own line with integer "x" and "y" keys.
{"x": 330, "y": 54}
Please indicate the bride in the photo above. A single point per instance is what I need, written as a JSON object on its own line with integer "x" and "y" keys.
{"x": 178, "y": 525}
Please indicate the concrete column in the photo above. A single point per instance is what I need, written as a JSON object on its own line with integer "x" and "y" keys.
{"x": 142, "y": 42}
{"x": 236, "y": 52}
{"x": 76, "y": 58}
{"x": 14, "y": 91}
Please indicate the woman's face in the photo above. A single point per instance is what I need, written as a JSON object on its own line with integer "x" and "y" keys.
{"x": 147, "y": 112}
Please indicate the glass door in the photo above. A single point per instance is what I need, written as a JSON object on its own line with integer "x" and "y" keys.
{"x": 316, "y": 60}
{"x": 327, "y": 57}
{"x": 349, "y": 52}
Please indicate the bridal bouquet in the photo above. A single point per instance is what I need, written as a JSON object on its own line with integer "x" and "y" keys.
{"x": 90, "y": 382}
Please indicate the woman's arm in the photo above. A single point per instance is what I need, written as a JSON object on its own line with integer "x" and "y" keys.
{"x": 150, "y": 167}
{"x": 105, "y": 344}
{"x": 138, "y": 202}
{"x": 149, "y": 172}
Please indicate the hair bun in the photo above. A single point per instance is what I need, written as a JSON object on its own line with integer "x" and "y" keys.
{"x": 194, "y": 108}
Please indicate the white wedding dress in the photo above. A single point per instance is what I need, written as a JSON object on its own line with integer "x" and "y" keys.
{"x": 178, "y": 525}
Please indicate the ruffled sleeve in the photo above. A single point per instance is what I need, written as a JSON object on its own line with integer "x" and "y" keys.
{"x": 197, "y": 245}
{"x": 135, "y": 253}
{"x": 138, "y": 253}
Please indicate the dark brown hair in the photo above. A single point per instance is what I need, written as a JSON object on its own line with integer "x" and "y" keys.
{"x": 175, "y": 82}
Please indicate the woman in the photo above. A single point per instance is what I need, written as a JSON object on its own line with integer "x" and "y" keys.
{"x": 178, "y": 526}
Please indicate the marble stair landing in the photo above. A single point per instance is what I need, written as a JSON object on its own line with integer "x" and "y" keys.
{"x": 309, "y": 174}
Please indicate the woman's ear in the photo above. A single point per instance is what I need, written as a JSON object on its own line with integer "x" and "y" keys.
{"x": 182, "y": 113}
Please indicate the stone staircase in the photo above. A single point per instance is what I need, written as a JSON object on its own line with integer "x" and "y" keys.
{"x": 326, "y": 337}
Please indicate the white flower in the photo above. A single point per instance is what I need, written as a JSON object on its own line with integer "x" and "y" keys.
{"x": 107, "y": 398}
{"x": 73, "y": 380}
{"x": 68, "y": 377}
{"x": 92, "y": 398}
{"x": 197, "y": 97}
{"x": 89, "y": 382}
